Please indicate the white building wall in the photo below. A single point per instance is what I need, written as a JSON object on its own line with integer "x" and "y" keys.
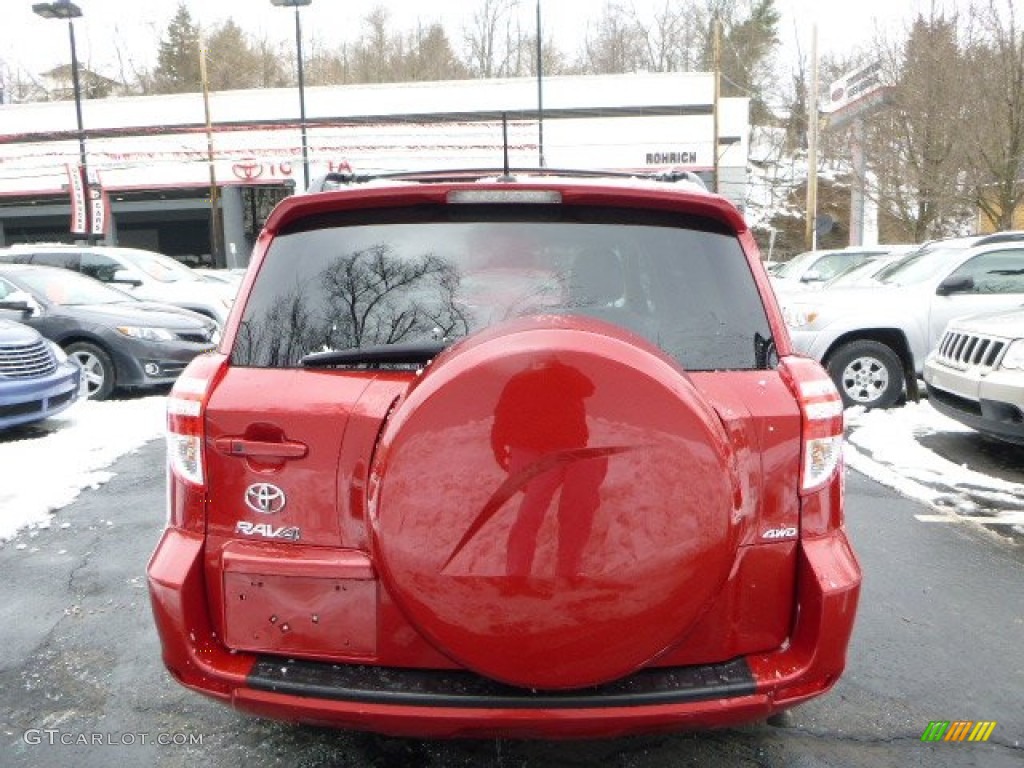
{"x": 160, "y": 141}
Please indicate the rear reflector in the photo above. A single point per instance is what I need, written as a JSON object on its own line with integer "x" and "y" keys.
{"x": 542, "y": 196}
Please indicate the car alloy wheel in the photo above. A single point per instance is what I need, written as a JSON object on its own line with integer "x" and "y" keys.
{"x": 867, "y": 373}
{"x": 97, "y": 369}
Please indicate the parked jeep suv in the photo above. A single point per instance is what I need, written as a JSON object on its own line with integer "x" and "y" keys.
{"x": 976, "y": 374}
{"x": 874, "y": 339}
{"x": 520, "y": 456}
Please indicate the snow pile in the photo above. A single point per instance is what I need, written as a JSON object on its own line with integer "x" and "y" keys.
{"x": 886, "y": 446}
{"x": 46, "y": 466}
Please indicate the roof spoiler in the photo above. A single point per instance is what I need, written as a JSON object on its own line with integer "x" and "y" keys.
{"x": 338, "y": 180}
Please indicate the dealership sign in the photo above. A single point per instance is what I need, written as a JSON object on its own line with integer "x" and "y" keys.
{"x": 79, "y": 207}
{"x": 90, "y": 204}
{"x": 856, "y": 94}
{"x": 99, "y": 204}
{"x": 854, "y": 86}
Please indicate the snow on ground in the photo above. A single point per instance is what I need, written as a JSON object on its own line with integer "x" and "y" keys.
{"x": 886, "y": 446}
{"x": 46, "y": 466}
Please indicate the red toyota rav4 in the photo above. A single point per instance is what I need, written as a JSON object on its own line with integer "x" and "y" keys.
{"x": 517, "y": 455}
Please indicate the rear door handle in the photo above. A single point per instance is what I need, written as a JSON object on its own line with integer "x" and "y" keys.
{"x": 260, "y": 449}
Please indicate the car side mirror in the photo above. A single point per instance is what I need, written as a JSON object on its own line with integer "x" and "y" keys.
{"x": 811, "y": 276}
{"x": 19, "y": 301}
{"x": 126, "y": 277}
{"x": 955, "y": 285}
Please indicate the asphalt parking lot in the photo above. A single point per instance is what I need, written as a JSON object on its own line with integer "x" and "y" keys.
{"x": 82, "y": 662}
{"x": 81, "y": 682}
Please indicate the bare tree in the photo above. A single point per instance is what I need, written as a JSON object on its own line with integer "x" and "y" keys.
{"x": 915, "y": 147}
{"x": 327, "y": 67}
{"x": 672, "y": 42}
{"x": 996, "y": 121}
{"x": 375, "y": 54}
{"x": 617, "y": 44}
{"x": 490, "y": 42}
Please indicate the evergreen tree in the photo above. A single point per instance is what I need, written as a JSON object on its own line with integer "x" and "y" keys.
{"x": 749, "y": 37}
{"x": 177, "y": 69}
{"x": 233, "y": 62}
{"x": 430, "y": 56}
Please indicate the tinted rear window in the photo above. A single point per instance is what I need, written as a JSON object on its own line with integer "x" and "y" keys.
{"x": 440, "y": 273}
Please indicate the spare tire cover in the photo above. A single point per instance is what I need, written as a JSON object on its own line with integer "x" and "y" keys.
{"x": 552, "y": 504}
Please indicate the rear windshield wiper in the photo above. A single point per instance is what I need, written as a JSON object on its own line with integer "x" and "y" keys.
{"x": 411, "y": 353}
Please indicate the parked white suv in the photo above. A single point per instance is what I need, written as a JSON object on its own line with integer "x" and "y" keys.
{"x": 144, "y": 274}
{"x": 874, "y": 339}
{"x": 812, "y": 268}
{"x": 976, "y": 374}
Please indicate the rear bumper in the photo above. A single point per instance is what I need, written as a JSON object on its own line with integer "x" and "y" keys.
{"x": 454, "y": 703}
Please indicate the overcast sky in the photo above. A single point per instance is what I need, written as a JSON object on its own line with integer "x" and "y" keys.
{"x": 33, "y": 44}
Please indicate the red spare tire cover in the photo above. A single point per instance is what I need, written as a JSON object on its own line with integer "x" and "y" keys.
{"x": 552, "y": 504}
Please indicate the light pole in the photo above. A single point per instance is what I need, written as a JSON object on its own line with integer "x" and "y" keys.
{"x": 65, "y": 9}
{"x": 540, "y": 91}
{"x": 302, "y": 86}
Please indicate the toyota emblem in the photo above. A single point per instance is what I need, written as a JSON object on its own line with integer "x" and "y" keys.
{"x": 264, "y": 498}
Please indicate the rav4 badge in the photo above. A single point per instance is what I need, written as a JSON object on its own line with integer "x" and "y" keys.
{"x": 266, "y": 530}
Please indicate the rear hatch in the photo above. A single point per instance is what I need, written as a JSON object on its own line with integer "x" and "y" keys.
{"x": 587, "y": 450}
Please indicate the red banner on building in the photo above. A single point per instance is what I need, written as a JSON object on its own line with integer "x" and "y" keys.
{"x": 79, "y": 206}
{"x": 99, "y": 204}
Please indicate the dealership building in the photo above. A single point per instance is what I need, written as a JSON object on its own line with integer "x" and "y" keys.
{"x": 196, "y": 178}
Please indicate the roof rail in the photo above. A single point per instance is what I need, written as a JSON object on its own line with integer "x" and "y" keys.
{"x": 337, "y": 180}
{"x": 1001, "y": 237}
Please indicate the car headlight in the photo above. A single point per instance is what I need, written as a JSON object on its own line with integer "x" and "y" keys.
{"x": 58, "y": 353}
{"x": 1014, "y": 357}
{"x": 799, "y": 316}
{"x": 146, "y": 334}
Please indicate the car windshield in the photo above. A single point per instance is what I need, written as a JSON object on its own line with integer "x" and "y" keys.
{"x": 417, "y": 277}
{"x": 919, "y": 266}
{"x": 65, "y": 288}
{"x": 861, "y": 272}
{"x": 794, "y": 266}
{"x": 161, "y": 268}
{"x": 851, "y": 273}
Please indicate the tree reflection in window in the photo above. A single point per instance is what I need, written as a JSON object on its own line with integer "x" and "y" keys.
{"x": 364, "y": 298}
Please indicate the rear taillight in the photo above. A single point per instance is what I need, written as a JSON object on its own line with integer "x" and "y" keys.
{"x": 821, "y": 411}
{"x": 185, "y": 436}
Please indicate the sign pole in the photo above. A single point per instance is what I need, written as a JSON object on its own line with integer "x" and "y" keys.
{"x": 810, "y": 235}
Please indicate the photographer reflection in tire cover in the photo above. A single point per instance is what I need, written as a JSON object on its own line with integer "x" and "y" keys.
{"x": 540, "y": 438}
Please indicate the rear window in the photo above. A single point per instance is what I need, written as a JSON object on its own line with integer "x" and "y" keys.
{"x": 438, "y": 273}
